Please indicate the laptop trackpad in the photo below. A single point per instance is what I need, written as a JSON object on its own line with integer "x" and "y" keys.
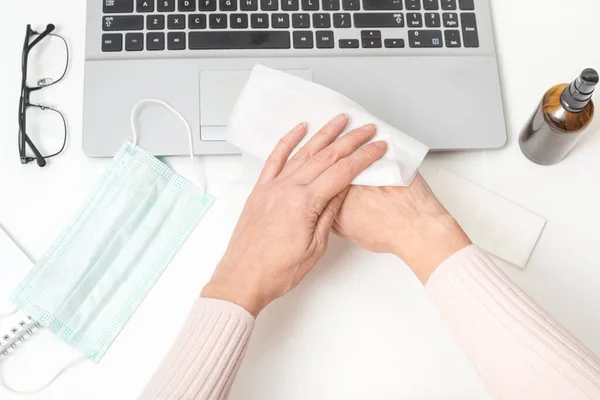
{"x": 219, "y": 91}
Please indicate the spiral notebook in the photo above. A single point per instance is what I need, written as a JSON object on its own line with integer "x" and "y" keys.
{"x": 15, "y": 327}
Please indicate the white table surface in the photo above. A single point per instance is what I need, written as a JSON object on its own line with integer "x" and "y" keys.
{"x": 359, "y": 326}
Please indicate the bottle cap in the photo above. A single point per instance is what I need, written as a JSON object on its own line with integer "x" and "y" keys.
{"x": 577, "y": 96}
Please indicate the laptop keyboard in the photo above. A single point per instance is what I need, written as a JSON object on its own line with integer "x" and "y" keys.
{"x": 178, "y": 25}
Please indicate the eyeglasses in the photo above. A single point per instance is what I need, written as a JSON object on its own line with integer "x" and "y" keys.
{"x": 44, "y": 63}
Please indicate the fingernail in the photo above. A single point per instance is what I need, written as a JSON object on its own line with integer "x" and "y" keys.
{"x": 339, "y": 119}
{"x": 382, "y": 144}
{"x": 368, "y": 128}
{"x": 299, "y": 127}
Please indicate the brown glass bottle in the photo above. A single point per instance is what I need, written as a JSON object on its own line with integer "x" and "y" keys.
{"x": 563, "y": 114}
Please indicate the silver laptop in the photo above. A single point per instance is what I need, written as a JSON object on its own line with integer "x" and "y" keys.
{"x": 428, "y": 67}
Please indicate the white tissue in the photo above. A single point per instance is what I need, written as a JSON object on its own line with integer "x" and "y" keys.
{"x": 273, "y": 102}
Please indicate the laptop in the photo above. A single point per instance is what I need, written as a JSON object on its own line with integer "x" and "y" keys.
{"x": 427, "y": 67}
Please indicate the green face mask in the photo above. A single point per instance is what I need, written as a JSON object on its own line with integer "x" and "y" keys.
{"x": 92, "y": 279}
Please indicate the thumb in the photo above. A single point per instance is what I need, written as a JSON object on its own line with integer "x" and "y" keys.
{"x": 327, "y": 218}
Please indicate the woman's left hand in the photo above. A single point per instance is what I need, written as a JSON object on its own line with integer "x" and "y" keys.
{"x": 284, "y": 228}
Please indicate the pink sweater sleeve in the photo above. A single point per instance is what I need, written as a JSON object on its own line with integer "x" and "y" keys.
{"x": 203, "y": 362}
{"x": 519, "y": 351}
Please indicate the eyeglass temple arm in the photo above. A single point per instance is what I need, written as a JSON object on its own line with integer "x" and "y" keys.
{"x": 40, "y": 160}
{"x": 49, "y": 29}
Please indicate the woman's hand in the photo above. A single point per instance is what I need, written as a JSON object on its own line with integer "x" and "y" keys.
{"x": 284, "y": 228}
{"x": 409, "y": 222}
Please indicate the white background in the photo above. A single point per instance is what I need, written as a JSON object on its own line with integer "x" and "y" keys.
{"x": 359, "y": 326}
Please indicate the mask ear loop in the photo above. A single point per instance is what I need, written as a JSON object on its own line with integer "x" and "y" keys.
{"x": 43, "y": 385}
{"x": 197, "y": 168}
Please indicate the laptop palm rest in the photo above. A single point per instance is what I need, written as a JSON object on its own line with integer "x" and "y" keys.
{"x": 219, "y": 91}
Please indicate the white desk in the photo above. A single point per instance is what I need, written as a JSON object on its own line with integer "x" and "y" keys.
{"x": 360, "y": 326}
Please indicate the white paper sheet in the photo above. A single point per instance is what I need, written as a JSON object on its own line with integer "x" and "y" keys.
{"x": 495, "y": 224}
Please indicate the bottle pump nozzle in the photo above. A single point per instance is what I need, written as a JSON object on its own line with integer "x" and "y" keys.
{"x": 577, "y": 95}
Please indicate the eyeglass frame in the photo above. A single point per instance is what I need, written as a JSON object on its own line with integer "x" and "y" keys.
{"x": 26, "y": 90}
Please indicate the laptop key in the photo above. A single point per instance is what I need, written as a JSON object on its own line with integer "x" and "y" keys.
{"x": 123, "y": 23}
{"x": 117, "y": 6}
{"x": 351, "y": 5}
{"x": 310, "y": 5}
{"x": 371, "y": 43}
{"x": 290, "y": 5}
{"x": 469, "y": 29}
{"x": 239, "y": 40}
{"x": 238, "y": 21}
{"x": 155, "y": 41}
{"x": 280, "y": 21}
{"x": 187, "y": 5}
{"x": 324, "y": 40}
{"x": 269, "y": 5}
{"x": 413, "y": 5}
{"x": 448, "y": 4}
{"x": 217, "y": 21}
{"x": 342, "y": 20}
{"x": 303, "y": 40}
{"x": 166, "y": 5}
{"x": 348, "y": 43}
{"x": 382, "y": 4}
{"x": 370, "y": 35}
{"x": 155, "y": 22}
{"x": 134, "y": 42}
{"x": 431, "y": 5}
{"x": 207, "y": 5}
{"x": 466, "y": 4}
{"x": 228, "y": 5}
{"x": 450, "y": 20}
{"x": 145, "y": 6}
{"x": 378, "y": 20}
{"x": 422, "y": 38}
{"x": 321, "y": 20}
{"x": 301, "y": 20}
{"x": 394, "y": 43}
{"x": 112, "y": 42}
{"x": 414, "y": 20}
{"x": 452, "y": 38}
{"x": 176, "y": 21}
{"x": 176, "y": 41}
{"x": 330, "y": 5}
{"x": 249, "y": 5}
{"x": 259, "y": 21}
{"x": 432, "y": 20}
{"x": 197, "y": 21}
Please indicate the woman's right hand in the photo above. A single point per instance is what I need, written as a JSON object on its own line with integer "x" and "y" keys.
{"x": 409, "y": 222}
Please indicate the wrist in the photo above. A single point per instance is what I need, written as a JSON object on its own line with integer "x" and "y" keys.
{"x": 231, "y": 284}
{"x": 431, "y": 242}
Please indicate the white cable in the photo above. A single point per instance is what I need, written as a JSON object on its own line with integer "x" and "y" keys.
{"x": 42, "y": 386}
{"x": 197, "y": 168}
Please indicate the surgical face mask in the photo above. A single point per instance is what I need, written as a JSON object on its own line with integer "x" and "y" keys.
{"x": 96, "y": 274}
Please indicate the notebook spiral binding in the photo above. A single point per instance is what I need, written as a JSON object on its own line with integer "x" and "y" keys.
{"x": 17, "y": 335}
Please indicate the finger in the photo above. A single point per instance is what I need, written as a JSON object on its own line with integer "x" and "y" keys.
{"x": 318, "y": 142}
{"x": 333, "y": 153}
{"x": 327, "y": 218}
{"x": 281, "y": 153}
{"x": 342, "y": 173}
